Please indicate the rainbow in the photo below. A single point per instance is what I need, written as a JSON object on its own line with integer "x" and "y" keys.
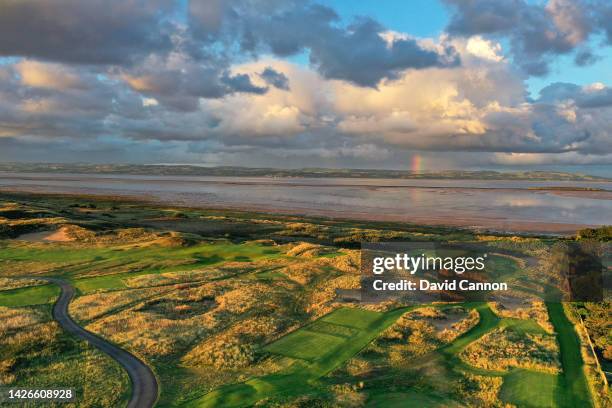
{"x": 417, "y": 164}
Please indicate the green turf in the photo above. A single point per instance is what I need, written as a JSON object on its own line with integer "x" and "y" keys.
{"x": 522, "y": 326}
{"x": 34, "y": 295}
{"x": 106, "y": 282}
{"x": 333, "y": 329}
{"x": 572, "y": 380}
{"x": 306, "y": 345}
{"x": 352, "y": 317}
{"x": 76, "y": 263}
{"x": 410, "y": 399}
{"x": 525, "y": 388}
{"x": 488, "y": 321}
{"x": 500, "y": 267}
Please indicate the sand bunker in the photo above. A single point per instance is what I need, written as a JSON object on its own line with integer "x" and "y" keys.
{"x": 60, "y": 235}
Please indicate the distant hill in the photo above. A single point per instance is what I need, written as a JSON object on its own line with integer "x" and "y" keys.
{"x": 188, "y": 170}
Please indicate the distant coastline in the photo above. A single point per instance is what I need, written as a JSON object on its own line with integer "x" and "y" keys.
{"x": 232, "y": 171}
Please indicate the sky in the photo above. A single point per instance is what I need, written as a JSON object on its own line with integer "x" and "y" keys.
{"x": 418, "y": 84}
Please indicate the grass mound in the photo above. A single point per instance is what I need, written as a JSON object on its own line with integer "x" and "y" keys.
{"x": 306, "y": 250}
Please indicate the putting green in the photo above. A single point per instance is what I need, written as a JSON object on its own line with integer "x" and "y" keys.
{"x": 306, "y": 345}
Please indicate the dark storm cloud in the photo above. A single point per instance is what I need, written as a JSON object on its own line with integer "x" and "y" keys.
{"x": 180, "y": 88}
{"x": 585, "y": 57}
{"x": 71, "y": 112}
{"x": 355, "y": 53}
{"x": 274, "y": 78}
{"x": 361, "y": 56}
{"x": 558, "y": 91}
{"x": 537, "y": 32}
{"x": 484, "y": 16}
{"x": 597, "y": 99}
{"x": 218, "y": 32}
{"x": 77, "y": 31}
{"x": 604, "y": 18}
{"x": 214, "y": 20}
{"x": 242, "y": 83}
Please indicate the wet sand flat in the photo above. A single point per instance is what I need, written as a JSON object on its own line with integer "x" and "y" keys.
{"x": 511, "y": 206}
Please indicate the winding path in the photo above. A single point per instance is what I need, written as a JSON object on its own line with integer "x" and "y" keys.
{"x": 144, "y": 383}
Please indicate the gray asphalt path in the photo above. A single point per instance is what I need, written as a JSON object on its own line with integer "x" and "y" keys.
{"x": 144, "y": 383}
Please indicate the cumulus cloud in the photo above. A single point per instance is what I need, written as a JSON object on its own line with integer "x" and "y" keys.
{"x": 216, "y": 84}
{"x": 483, "y": 48}
{"x": 48, "y": 100}
{"x": 355, "y": 53}
{"x": 537, "y": 32}
{"x": 178, "y": 81}
{"x": 596, "y": 95}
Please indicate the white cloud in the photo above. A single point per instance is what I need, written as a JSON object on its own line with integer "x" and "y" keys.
{"x": 149, "y": 102}
{"x": 484, "y": 49}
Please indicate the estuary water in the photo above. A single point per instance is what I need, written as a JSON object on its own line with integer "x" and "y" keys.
{"x": 527, "y": 206}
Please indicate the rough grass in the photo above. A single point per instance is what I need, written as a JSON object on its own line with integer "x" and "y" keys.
{"x": 9, "y": 283}
{"x": 36, "y": 353}
{"x": 503, "y": 349}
